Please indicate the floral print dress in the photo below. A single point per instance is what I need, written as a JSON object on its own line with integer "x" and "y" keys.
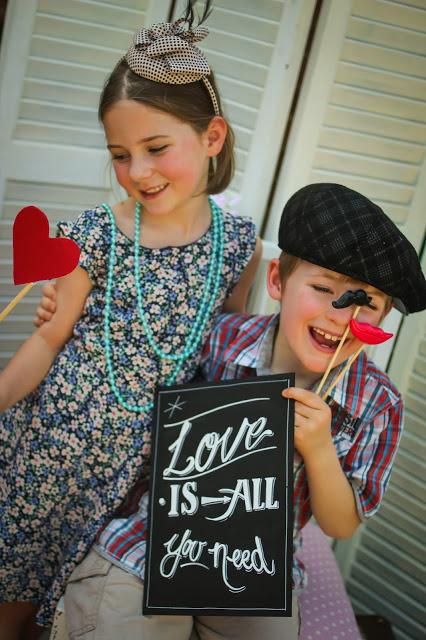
{"x": 70, "y": 451}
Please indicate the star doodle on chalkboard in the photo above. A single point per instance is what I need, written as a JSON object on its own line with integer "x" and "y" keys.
{"x": 177, "y": 404}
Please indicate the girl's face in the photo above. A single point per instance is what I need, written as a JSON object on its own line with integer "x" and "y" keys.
{"x": 310, "y": 327}
{"x": 159, "y": 160}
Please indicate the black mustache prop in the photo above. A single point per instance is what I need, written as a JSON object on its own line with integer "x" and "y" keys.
{"x": 358, "y": 297}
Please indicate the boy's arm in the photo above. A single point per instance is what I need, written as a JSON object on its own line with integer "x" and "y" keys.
{"x": 332, "y": 498}
{"x": 342, "y": 499}
{"x": 33, "y": 360}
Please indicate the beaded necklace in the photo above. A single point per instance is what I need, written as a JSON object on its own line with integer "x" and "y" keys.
{"x": 205, "y": 306}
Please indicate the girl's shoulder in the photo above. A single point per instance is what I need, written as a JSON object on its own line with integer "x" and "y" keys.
{"x": 89, "y": 230}
{"x": 239, "y": 246}
{"x": 87, "y": 222}
{"x": 234, "y": 223}
{"x": 239, "y": 232}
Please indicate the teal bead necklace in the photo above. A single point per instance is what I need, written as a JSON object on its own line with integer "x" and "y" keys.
{"x": 208, "y": 298}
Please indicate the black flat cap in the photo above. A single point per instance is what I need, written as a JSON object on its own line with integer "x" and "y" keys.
{"x": 337, "y": 228}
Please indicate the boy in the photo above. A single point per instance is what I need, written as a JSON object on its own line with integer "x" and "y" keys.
{"x": 333, "y": 239}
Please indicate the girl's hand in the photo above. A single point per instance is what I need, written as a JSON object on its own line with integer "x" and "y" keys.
{"x": 312, "y": 421}
{"x": 47, "y": 306}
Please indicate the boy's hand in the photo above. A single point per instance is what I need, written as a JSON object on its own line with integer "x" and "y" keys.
{"x": 312, "y": 421}
{"x": 47, "y": 306}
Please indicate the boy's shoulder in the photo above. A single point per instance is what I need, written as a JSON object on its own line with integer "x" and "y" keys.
{"x": 230, "y": 326}
{"x": 378, "y": 376}
{"x": 233, "y": 334}
{"x": 370, "y": 392}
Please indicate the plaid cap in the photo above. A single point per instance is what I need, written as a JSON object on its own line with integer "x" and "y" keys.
{"x": 339, "y": 229}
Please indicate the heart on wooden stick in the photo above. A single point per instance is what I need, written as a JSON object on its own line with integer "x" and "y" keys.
{"x": 36, "y": 256}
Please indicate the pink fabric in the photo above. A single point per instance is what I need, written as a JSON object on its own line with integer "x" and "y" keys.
{"x": 325, "y": 608}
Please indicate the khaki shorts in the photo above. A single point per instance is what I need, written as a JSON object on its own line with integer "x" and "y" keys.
{"x": 104, "y": 602}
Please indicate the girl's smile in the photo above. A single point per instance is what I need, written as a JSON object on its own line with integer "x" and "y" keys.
{"x": 153, "y": 192}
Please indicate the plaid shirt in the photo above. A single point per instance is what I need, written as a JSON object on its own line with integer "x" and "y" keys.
{"x": 366, "y": 428}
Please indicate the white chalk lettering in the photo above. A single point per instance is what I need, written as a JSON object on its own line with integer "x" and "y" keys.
{"x": 185, "y": 549}
{"x": 177, "y": 507}
{"x": 215, "y": 450}
{"x": 240, "y": 559}
{"x": 251, "y": 500}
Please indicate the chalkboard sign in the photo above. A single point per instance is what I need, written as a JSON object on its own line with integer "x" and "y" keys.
{"x": 221, "y": 509}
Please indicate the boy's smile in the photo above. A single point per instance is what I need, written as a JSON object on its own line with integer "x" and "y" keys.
{"x": 310, "y": 327}
{"x": 324, "y": 340}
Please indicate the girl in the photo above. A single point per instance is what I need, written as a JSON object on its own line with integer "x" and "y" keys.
{"x": 154, "y": 273}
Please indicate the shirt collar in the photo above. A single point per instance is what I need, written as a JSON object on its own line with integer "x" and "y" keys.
{"x": 349, "y": 391}
{"x": 258, "y": 354}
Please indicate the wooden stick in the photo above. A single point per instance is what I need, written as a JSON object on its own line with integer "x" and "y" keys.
{"x": 336, "y": 353}
{"x": 349, "y": 363}
{"x": 15, "y": 300}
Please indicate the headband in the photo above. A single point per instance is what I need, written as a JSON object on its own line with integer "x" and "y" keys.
{"x": 165, "y": 53}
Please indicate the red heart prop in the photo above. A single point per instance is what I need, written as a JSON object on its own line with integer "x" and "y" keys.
{"x": 35, "y": 255}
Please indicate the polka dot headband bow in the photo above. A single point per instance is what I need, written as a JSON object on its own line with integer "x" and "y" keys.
{"x": 166, "y": 53}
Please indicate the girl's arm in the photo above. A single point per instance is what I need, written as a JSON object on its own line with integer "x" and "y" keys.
{"x": 33, "y": 360}
{"x": 236, "y": 303}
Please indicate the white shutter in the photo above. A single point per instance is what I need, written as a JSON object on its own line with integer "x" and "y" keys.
{"x": 255, "y": 49}
{"x": 361, "y": 114}
{"x": 59, "y": 202}
{"x": 55, "y": 57}
{"x": 362, "y": 111}
{"x": 386, "y": 575}
{"x": 74, "y": 45}
{"x": 360, "y": 121}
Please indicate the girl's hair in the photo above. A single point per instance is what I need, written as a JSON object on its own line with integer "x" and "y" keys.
{"x": 190, "y": 103}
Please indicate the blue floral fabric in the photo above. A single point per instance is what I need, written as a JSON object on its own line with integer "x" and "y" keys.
{"x": 70, "y": 451}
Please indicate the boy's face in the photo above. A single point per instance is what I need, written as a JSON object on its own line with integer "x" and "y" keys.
{"x": 310, "y": 327}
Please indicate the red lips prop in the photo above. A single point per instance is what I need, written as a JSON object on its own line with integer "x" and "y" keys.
{"x": 368, "y": 333}
{"x": 35, "y": 255}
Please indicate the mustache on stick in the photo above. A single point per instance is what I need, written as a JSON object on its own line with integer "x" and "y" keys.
{"x": 358, "y": 297}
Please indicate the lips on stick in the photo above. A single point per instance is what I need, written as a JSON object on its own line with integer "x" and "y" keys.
{"x": 366, "y": 333}
{"x": 359, "y": 298}
{"x": 36, "y": 256}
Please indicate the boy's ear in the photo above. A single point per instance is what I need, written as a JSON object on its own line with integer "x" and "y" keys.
{"x": 215, "y": 136}
{"x": 273, "y": 280}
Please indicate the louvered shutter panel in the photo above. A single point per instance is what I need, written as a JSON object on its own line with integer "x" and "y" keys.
{"x": 56, "y": 55}
{"x": 386, "y": 575}
{"x": 360, "y": 121}
{"x": 74, "y": 46}
{"x": 362, "y": 111}
{"x": 255, "y": 49}
{"x": 63, "y": 50}
{"x": 361, "y": 114}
